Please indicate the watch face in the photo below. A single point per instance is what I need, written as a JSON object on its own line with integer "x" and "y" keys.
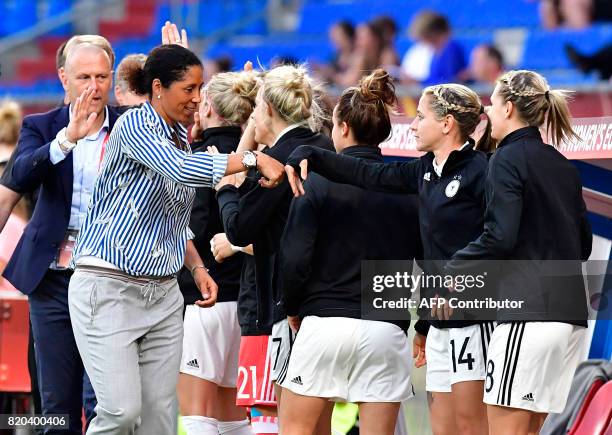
{"x": 249, "y": 160}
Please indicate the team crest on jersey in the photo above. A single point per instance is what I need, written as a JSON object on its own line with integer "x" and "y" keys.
{"x": 452, "y": 188}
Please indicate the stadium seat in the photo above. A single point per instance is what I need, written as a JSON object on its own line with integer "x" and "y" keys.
{"x": 597, "y": 417}
{"x": 17, "y": 16}
{"x": 57, "y": 7}
{"x": 544, "y": 49}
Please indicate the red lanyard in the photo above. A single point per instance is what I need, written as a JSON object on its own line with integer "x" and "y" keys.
{"x": 103, "y": 149}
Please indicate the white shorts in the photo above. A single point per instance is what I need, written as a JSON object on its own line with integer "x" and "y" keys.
{"x": 350, "y": 360}
{"x": 211, "y": 342}
{"x": 531, "y": 365}
{"x": 456, "y": 355}
{"x": 282, "y": 340}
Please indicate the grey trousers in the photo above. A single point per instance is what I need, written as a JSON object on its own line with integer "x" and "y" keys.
{"x": 129, "y": 333}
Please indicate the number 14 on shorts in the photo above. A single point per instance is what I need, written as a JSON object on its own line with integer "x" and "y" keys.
{"x": 463, "y": 357}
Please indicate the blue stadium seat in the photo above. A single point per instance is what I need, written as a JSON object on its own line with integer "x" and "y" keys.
{"x": 568, "y": 77}
{"x": 470, "y": 41}
{"x": 489, "y": 14}
{"x": 57, "y": 7}
{"x": 265, "y": 50}
{"x": 544, "y": 49}
{"x": 248, "y": 8}
{"x": 17, "y": 15}
{"x": 316, "y": 18}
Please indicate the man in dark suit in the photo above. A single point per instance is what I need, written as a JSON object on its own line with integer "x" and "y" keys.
{"x": 59, "y": 153}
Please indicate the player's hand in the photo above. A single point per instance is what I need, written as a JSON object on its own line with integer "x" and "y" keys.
{"x": 196, "y": 130}
{"x": 171, "y": 35}
{"x": 441, "y": 309}
{"x": 294, "y": 323}
{"x": 418, "y": 350}
{"x": 221, "y": 248}
{"x": 207, "y": 286}
{"x": 272, "y": 170}
{"x": 228, "y": 179}
{"x": 294, "y": 179}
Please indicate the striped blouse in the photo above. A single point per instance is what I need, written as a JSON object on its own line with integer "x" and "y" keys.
{"x": 139, "y": 214}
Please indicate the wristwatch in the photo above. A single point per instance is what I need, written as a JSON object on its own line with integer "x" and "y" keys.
{"x": 249, "y": 160}
{"x": 65, "y": 145}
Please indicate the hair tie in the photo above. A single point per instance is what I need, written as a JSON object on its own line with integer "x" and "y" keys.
{"x": 546, "y": 95}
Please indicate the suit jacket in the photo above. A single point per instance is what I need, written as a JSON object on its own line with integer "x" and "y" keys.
{"x": 32, "y": 169}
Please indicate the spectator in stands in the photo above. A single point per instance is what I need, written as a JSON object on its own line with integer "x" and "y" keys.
{"x": 600, "y": 61}
{"x": 486, "y": 65}
{"x": 388, "y": 28}
{"x": 10, "y": 123}
{"x": 417, "y": 60}
{"x": 369, "y": 46}
{"x": 448, "y": 58}
{"x": 11, "y": 117}
{"x": 123, "y": 94}
{"x": 574, "y": 14}
{"x": 342, "y": 37}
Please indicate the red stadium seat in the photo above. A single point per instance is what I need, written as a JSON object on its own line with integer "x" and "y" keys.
{"x": 587, "y": 401}
{"x": 595, "y": 415}
{"x": 14, "y": 325}
{"x": 14, "y": 376}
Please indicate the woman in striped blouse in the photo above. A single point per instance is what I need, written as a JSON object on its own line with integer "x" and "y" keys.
{"x": 125, "y": 304}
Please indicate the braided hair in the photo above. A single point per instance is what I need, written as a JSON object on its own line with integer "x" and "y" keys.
{"x": 465, "y": 106}
{"x": 537, "y": 104}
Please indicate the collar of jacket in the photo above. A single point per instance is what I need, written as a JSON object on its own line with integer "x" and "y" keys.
{"x": 521, "y": 133}
{"x": 213, "y": 133}
{"x": 363, "y": 152}
{"x": 454, "y": 158}
{"x": 294, "y": 132}
{"x": 229, "y": 130}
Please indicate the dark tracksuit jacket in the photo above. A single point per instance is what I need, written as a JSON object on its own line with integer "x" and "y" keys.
{"x": 205, "y": 223}
{"x": 451, "y": 207}
{"x": 330, "y": 230}
{"x": 536, "y": 223}
{"x": 259, "y": 217}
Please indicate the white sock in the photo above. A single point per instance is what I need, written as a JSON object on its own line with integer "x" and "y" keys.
{"x": 240, "y": 427}
{"x": 264, "y": 424}
{"x": 199, "y": 425}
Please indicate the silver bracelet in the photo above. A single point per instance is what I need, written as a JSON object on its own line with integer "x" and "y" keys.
{"x": 199, "y": 266}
